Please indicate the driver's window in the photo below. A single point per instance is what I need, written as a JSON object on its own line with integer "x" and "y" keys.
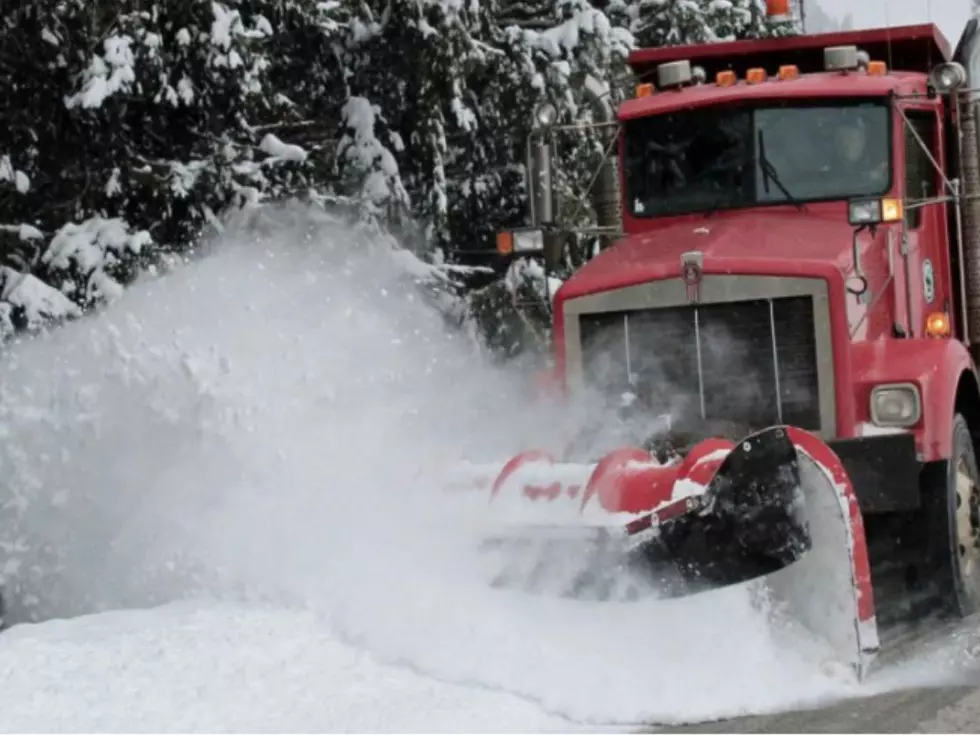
{"x": 920, "y": 174}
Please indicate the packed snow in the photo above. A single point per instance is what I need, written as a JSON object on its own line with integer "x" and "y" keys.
{"x": 217, "y": 494}
{"x": 188, "y": 667}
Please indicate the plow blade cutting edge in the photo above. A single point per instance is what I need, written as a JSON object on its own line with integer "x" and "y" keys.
{"x": 777, "y": 507}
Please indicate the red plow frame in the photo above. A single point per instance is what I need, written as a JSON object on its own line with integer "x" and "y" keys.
{"x": 828, "y": 585}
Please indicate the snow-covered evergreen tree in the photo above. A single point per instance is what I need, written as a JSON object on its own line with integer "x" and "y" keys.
{"x": 128, "y": 131}
{"x": 750, "y": 21}
{"x": 408, "y": 63}
{"x": 137, "y": 127}
{"x": 548, "y": 48}
{"x": 580, "y": 39}
{"x": 817, "y": 20}
{"x": 671, "y": 22}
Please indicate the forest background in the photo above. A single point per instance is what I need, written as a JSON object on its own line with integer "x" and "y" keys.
{"x": 131, "y": 130}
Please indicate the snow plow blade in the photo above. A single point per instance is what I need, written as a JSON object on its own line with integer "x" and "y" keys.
{"x": 777, "y": 508}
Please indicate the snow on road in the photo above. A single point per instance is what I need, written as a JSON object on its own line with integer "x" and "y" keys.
{"x": 244, "y": 446}
{"x": 220, "y": 668}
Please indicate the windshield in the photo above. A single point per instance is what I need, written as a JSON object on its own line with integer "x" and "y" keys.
{"x": 703, "y": 159}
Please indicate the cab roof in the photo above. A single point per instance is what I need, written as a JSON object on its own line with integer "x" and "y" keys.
{"x": 823, "y": 84}
{"x": 904, "y": 48}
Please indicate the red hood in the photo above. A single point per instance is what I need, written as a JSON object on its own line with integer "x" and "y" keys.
{"x": 768, "y": 243}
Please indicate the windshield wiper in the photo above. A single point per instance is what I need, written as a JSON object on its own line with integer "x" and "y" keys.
{"x": 769, "y": 173}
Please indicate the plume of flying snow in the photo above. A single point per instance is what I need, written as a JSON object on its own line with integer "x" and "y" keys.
{"x": 266, "y": 423}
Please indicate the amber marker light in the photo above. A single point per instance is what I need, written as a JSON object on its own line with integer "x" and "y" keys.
{"x": 505, "y": 243}
{"x": 725, "y": 78}
{"x": 937, "y": 324}
{"x": 777, "y": 8}
{"x": 877, "y": 68}
{"x": 789, "y": 71}
{"x": 891, "y": 210}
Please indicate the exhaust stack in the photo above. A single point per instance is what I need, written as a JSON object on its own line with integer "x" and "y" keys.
{"x": 605, "y": 190}
{"x": 968, "y": 55}
{"x": 606, "y": 197}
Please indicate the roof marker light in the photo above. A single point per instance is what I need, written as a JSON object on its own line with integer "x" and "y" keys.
{"x": 789, "y": 71}
{"x": 755, "y": 76}
{"x": 877, "y": 68}
{"x": 725, "y": 78}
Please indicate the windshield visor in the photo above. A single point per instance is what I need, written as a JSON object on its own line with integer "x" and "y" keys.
{"x": 710, "y": 158}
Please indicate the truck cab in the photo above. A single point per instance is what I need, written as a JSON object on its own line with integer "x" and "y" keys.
{"x": 796, "y": 242}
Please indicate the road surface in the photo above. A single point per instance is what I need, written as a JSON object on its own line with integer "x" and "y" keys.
{"x": 938, "y": 710}
{"x": 931, "y": 686}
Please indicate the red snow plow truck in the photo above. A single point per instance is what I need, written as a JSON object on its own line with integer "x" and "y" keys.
{"x": 787, "y": 302}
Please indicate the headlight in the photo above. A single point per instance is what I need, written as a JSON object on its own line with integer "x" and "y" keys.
{"x": 948, "y": 77}
{"x": 864, "y": 212}
{"x": 522, "y": 242}
{"x": 895, "y": 405}
{"x": 528, "y": 241}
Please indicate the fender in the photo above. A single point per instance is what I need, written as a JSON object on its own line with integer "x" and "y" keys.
{"x": 936, "y": 366}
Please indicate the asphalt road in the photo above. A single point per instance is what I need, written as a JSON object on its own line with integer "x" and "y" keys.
{"x": 936, "y": 691}
{"x": 938, "y": 710}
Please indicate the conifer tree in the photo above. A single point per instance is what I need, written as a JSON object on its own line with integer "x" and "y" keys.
{"x": 672, "y": 22}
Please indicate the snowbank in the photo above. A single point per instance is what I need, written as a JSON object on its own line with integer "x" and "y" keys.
{"x": 227, "y": 668}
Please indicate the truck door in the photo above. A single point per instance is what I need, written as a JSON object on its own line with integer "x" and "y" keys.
{"x": 926, "y": 236}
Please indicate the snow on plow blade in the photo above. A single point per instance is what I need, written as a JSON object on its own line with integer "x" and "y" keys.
{"x": 776, "y": 507}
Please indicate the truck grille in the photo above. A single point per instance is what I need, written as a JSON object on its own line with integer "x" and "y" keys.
{"x": 752, "y": 363}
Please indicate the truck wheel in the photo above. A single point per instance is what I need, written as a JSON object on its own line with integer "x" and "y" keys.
{"x": 963, "y": 522}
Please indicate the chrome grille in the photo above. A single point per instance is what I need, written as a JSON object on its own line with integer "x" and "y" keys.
{"x": 752, "y": 363}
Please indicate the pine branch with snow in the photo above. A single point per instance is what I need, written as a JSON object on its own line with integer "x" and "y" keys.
{"x": 29, "y": 304}
{"x": 367, "y": 166}
{"x": 151, "y": 120}
{"x": 85, "y": 260}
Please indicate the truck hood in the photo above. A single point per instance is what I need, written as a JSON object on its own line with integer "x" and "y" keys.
{"x": 778, "y": 244}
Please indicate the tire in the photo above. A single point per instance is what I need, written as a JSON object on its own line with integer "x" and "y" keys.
{"x": 962, "y": 523}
